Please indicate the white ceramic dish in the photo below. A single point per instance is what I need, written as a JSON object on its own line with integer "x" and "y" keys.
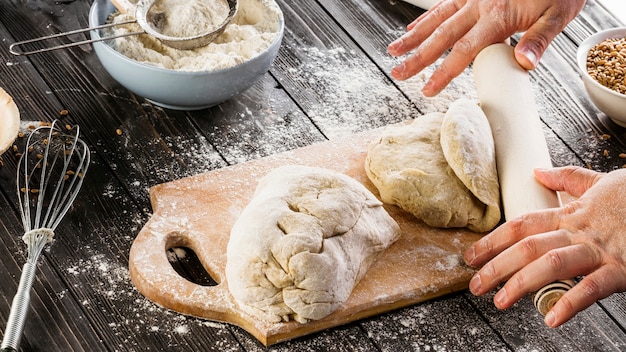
{"x": 612, "y": 103}
{"x": 180, "y": 90}
{"x": 9, "y": 121}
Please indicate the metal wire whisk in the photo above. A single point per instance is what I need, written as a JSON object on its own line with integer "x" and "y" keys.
{"x": 49, "y": 176}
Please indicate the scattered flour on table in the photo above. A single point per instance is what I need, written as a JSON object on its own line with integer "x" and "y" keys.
{"x": 187, "y": 158}
{"x": 255, "y": 27}
{"x": 461, "y": 87}
{"x": 134, "y": 314}
{"x": 422, "y": 327}
{"x": 349, "y": 94}
{"x": 346, "y": 95}
{"x": 182, "y": 157}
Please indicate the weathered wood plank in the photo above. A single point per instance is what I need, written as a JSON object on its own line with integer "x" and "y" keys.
{"x": 446, "y": 324}
{"x": 522, "y": 327}
{"x": 330, "y": 77}
{"x": 616, "y": 307}
{"x": 341, "y": 339}
{"x": 316, "y": 90}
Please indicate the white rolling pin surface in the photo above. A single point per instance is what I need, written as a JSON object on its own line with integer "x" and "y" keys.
{"x": 506, "y": 97}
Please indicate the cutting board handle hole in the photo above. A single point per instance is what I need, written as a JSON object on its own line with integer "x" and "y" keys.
{"x": 186, "y": 263}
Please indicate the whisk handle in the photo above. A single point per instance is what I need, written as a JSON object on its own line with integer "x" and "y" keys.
{"x": 19, "y": 309}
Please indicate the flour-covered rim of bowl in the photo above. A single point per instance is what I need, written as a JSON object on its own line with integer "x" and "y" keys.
{"x": 95, "y": 34}
{"x": 583, "y": 52}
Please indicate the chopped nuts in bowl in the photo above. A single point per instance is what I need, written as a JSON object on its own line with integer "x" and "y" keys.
{"x": 602, "y": 61}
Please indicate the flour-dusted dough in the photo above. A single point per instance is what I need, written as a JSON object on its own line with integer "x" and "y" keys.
{"x": 469, "y": 149}
{"x": 303, "y": 242}
{"x": 441, "y": 168}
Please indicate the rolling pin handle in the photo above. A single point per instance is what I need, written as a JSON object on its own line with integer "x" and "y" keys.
{"x": 547, "y": 296}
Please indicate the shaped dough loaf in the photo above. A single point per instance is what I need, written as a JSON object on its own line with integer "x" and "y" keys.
{"x": 304, "y": 241}
{"x": 441, "y": 168}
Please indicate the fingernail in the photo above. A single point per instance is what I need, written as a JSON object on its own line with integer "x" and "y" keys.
{"x": 550, "y": 319}
{"x": 398, "y": 71}
{"x": 475, "y": 284}
{"x": 500, "y": 298}
{"x": 530, "y": 56}
{"x": 429, "y": 90}
{"x": 470, "y": 256}
{"x": 394, "y": 46}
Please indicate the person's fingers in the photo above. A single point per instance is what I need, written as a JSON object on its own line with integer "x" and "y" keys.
{"x": 557, "y": 264}
{"x": 429, "y": 22}
{"x": 539, "y": 35}
{"x": 510, "y": 233}
{"x": 508, "y": 263}
{"x": 594, "y": 287}
{"x": 532, "y": 45}
{"x": 452, "y": 66}
{"x": 411, "y": 25}
{"x": 435, "y": 45}
{"x": 464, "y": 50}
{"x": 571, "y": 179}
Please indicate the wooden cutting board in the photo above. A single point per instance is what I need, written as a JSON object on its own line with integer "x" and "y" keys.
{"x": 198, "y": 212}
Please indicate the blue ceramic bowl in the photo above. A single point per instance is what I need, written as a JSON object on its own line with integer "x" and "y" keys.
{"x": 180, "y": 90}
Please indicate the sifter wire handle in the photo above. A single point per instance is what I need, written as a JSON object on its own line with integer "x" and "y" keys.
{"x": 13, "y": 48}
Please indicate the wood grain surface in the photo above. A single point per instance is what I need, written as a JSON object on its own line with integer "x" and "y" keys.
{"x": 83, "y": 299}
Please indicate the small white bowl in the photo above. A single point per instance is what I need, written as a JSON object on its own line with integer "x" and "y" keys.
{"x": 9, "y": 121}
{"x": 180, "y": 90}
{"x": 612, "y": 103}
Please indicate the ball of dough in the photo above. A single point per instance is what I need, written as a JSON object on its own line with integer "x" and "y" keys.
{"x": 441, "y": 168}
{"x": 303, "y": 242}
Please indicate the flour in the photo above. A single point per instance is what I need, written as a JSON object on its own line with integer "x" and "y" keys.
{"x": 347, "y": 95}
{"x": 135, "y": 315}
{"x": 255, "y": 27}
{"x": 187, "y": 18}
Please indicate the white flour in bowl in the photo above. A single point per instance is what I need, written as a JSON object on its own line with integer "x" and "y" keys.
{"x": 254, "y": 28}
{"x": 185, "y": 18}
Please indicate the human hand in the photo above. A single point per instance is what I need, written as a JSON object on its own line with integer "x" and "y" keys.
{"x": 468, "y": 26}
{"x": 586, "y": 237}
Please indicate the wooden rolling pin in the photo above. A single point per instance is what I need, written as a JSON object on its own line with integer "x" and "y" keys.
{"x": 506, "y": 97}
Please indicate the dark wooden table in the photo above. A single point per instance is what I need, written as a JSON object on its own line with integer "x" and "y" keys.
{"x": 330, "y": 80}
